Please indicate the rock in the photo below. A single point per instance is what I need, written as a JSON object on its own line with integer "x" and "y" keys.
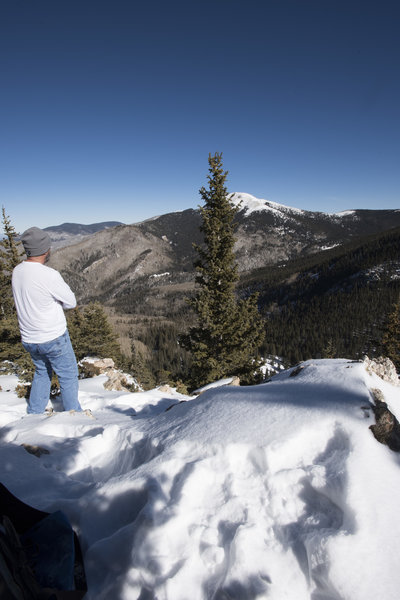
{"x": 297, "y": 370}
{"x": 120, "y": 382}
{"x": 387, "y": 428}
{"x": 117, "y": 380}
{"x": 96, "y": 366}
{"x": 384, "y": 368}
{"x": 35, "y": 450}
{"x": 235, "y": 381}
{"x": 165, "y": 388}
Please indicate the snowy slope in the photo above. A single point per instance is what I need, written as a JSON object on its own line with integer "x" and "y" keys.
{"x": 250, "y": 204}
{"x": 273, "y": 491}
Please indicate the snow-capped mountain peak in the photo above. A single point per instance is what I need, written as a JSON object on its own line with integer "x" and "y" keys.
{"x": 250, "y": 204}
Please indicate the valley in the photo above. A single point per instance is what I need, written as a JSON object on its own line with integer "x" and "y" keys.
{"x": 321, "y": 278}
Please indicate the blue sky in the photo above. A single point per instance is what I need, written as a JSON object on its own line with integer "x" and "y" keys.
{"x": 110, "y": 109}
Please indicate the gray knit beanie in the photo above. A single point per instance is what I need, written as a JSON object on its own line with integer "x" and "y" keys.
{"x": 35, "y": 241}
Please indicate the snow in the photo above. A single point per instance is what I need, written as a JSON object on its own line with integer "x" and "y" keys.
{"x": 251, "y": 204}
{"x": 329, "y": 247}
{"x": 157, "y": 275}
{"x": 272, "y": 491}
{"x": 344, "y": 213}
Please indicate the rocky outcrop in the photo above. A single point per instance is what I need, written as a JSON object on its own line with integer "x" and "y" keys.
{"x": 117, "y": 380}
{"x": 384, "y": 368}
{"x": 121, "y": 382}
{"x": 387, "y": 428}
{"x": 90, "y": 367}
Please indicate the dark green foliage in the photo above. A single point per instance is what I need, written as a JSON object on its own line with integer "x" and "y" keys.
{"x": 338, "y": 298}
{"x": 10, "y": 338}
{"x": 391, "y": 336}
{"x": 229, "y": 331}
{"x": 168, "y": 361}
{"x": 10, "y": 256}
{"x": 330, "y": 350}
{"x": 140, "y": 369}
{"x": 91, "y": 333}
{"x": 10, "y": 249}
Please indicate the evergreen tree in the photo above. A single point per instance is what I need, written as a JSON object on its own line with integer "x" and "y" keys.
{"x": 140, "y": 369}
{"x": 391, "y": 336}
{"x": 75, "y": 320}
{"x": 10, "y": 255}
{"x": 329, "y": 350}
{"x": 228, "y": 333}
{"x": 91, "y": 333}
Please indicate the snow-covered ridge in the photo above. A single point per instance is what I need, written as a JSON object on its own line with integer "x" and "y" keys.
{"x": 344, "y": 213}
{"x": 251, "y": 204}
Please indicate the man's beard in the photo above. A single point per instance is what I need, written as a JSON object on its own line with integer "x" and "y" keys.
{"x": 46, "y": 260}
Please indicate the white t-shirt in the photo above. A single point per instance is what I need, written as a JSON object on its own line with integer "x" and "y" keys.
{"x": 40, "y": 295}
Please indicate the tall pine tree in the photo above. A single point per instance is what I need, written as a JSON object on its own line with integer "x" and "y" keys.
{"x": 229, "y": 331}
{"x": 10, "y": 255}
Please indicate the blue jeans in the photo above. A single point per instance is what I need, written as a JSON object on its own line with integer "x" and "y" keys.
{"x": 56, "y": 355}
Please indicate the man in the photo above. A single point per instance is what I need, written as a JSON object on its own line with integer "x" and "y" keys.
{"x": 40, "y": 295}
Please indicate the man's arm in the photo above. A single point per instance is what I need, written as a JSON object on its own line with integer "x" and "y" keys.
{"x": 62, "y": 292}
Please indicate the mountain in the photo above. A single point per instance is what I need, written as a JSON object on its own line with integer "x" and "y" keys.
{"x": 269, "y": 232}
{"x": 159, "y": 251}
{"x": 144, "y": 272}
{"x": 72, "y": 233}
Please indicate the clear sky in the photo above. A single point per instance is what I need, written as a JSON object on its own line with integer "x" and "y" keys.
{"x": 109, "y": 109}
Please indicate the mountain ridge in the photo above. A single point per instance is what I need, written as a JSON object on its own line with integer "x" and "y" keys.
{"x": 109, "y": 261}
{"x": 71, "y": 233}
{"x": 143, "y": 273}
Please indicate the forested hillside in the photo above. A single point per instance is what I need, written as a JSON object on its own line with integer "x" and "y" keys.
{"x": 331, "y": 304}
